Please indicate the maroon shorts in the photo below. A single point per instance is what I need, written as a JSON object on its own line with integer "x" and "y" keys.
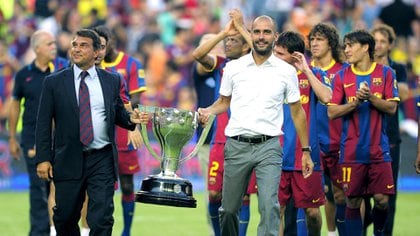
{"x": 367, "y": 179}
{"x": 128, "y": 162}
{"x": 307, "y": 193}
{"x": 215, "y": 170}
{"x": 329, "y": 163}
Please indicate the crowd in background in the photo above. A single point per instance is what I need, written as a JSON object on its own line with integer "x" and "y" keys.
{"x": 163, "y": 33}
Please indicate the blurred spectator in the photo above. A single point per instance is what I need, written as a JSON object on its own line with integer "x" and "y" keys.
{"x": 152, "y": 55}
{"x": 279, "y": 10}
{"x": 180, "y": 50}
{"x": 8, "y": 67}
{"x": 93, "y": 13}
{"x": 45, "y": 8}
{"x": 53, "y": 23}
{"x": 367, "y": 11}
{"x": 136, "y": 28}
{"x": 400, "y": 16}
{"x": 21, "y": 25}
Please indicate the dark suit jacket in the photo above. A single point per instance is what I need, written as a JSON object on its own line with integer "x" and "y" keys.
{"x": 58, "y": 103}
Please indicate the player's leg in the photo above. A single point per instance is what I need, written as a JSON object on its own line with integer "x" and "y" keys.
{"x": 381, "y": 185}
{"x": 244, "y": 215}
{"x": 395, "y": 164}
{"x": 301, "y": 224}
{"x": 127, "y": 201}
{"x": 128, "y": 165}
{"x": 214, "y": 184}
{"x": 309, "y": 195}
{"x": 354, "y": 186}
{"x": 330, "y": 210}
{"x": 336, "y": 179}
{"x": 203, "y": 157}
{"x": 340, "y": 209}
{"x": 287, "y": 208}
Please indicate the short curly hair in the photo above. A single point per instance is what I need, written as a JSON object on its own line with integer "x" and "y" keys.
{"x": 331, "y": 33}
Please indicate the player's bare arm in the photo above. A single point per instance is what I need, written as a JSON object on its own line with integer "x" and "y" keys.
{"x": 323, "y": 92}
{"x": 299, "y": 119}
{"x": 14, "y": 145}
{"x": 238, "y": 22}
{"x": 201, "y": 54}
{"x": 389, "y": 107}
{"x": 336, "y": 111}
{"x": 219, "y": 106}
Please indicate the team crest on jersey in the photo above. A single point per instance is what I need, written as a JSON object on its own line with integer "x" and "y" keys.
{"x": 327, "y": 80}
{"x": 332, "y": 76}
{"x": 377, "y": 81}
{"x": 140, "y": 73}
{"x": 304, "y": 83}
{"x": 304, "y": 99}
{"x": 378, "y": 95}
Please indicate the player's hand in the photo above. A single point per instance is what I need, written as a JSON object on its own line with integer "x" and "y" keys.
{"x": 307, "y": 165}
{"x": 44, "y": 170}
{"x": 139, "y": 117}
{"x": 363, "y": 93}
{"x": 417, "y": 163}
{"x": 14, "y": 149}
{"x": 236, "y": 16}
{"x": 203, "y": 116}
{"x": 134, "y": 138}
{"x": 300, "y": 62}
{"x": 230, "y": 29}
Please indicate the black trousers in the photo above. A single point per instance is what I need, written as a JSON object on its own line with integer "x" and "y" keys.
{"x": 98, "y": 180}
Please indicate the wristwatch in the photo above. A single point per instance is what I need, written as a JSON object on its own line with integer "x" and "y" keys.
{"x": 307, "y": 149}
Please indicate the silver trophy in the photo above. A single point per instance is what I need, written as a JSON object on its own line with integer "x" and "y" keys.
{"x": 173, "y": 128}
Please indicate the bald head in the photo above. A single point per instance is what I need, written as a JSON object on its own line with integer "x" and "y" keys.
{"x": 44, "y": 45}
{"x": 38, "y": 36}
{"x": 265, "y": 18}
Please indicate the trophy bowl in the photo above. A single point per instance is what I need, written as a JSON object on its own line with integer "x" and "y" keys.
{"x": 173, "y": 128}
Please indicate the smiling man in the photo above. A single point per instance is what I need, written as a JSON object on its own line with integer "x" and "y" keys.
{"x": 254, "y": 87}
{"x": 363, "y": 94}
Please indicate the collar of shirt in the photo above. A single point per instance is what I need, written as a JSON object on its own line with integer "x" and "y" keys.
{"x": 77, "y": 71}
{"x": 249, "y": 60}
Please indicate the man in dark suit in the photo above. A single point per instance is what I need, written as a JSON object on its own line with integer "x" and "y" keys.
{"x": 77, "y": 149}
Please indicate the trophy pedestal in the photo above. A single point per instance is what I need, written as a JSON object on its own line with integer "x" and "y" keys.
{"x": 170, "y": 191}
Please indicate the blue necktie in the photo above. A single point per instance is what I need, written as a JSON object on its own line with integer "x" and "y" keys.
{"x": 86, "y": 128}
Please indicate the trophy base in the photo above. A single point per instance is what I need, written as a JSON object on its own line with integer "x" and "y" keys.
{"x": 168, "y": 191}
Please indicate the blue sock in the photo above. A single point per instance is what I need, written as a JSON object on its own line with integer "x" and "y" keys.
{"x": 340, "y": 219}
{"x": 214, "y": 216}
{"x": 128, "y": 213}
{"x": 244, "y": 218}
{"x": 354, "y": 225}
{"x": 379, "y": 219}
{"x": 302, "y": 230}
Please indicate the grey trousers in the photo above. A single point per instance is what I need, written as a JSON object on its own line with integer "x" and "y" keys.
{"x": 240, "y": 159}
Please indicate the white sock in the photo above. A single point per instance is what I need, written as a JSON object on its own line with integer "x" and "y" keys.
{"x": 332, "y": 233}
{"x": 84, "y": 231}
{"x": 52, "y": 231}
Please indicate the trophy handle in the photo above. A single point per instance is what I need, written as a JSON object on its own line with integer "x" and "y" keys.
{"x": 201, "y": 140}
{"x": 145, "y": 136}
